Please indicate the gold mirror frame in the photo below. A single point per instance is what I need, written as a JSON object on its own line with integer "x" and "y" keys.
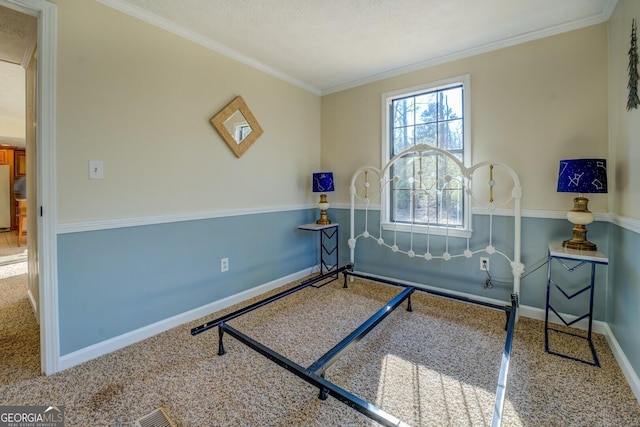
{"x": 218, "y": 121}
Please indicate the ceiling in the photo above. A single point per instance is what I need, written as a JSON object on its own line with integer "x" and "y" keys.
{"x": 324, "y": 46}
{"x": 330, "y": 45}
{"x": 17, "y": 39}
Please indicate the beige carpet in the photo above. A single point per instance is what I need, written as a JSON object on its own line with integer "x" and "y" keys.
{"x": 19, "y": 332}
{"x": 435, "y": 366}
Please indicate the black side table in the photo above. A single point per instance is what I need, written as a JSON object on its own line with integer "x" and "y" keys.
{"x": 572, "y": 260}
{"x": 328, "y": 248}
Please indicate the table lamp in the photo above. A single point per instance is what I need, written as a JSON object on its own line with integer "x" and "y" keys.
{"x": 323, "y": 183}
{"x": 581, "y": 176}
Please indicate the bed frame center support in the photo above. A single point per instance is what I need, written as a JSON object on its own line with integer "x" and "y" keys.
{"x": 320, "y": 366}
{"x": 315, "y": 380}
{"x": 220, "y": 335}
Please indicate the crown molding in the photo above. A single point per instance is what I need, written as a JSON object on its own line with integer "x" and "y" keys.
{"x": 155, "y": 20}
{"x": 462, "y": 54}
{"x": 180, "y": 31}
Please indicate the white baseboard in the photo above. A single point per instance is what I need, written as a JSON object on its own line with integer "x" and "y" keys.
{"x": 121, "y": 341}
{"x": 598, "y": 327}
{"x": 34, "y": 306}
{"x": 625, "y": 365}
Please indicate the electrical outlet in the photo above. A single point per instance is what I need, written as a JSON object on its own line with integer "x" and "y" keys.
{"x": 224, "y": 264}
{"x": 484, "y": 263}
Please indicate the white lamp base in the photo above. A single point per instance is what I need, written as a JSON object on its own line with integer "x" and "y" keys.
{"x": 580, "y": 216}
{"x": 323, "y": 206}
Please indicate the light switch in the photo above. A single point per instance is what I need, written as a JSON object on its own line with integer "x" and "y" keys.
{"x": 96, "y": 169}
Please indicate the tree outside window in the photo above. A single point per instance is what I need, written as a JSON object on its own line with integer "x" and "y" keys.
{"x": 434, "y": 116}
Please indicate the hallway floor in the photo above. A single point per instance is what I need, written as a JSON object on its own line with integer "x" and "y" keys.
{"x": 10, "y": 252}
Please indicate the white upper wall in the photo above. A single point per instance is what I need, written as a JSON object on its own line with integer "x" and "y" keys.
{"x": 624, "y": 125}
{"x": 531, "y": 105}
{"x": 140, "y": 98}
{"x": 12, "y": 128}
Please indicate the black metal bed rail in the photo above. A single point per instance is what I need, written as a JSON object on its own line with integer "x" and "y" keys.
{"x": 324, "y": 362}
{"x": 314, "y": 374}
{"x": 316, "y": 380}
{"x": 212, "y": 324}
{"x": 501, "y": 389}
{"x": 511, "y": 313}
{"x": 428, "y": 291}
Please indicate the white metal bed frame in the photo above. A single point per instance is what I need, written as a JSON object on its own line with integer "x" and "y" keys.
{"x": 490, "y": 206}
{"x": 314, "y": 374}
{"x": 473, "y": 203}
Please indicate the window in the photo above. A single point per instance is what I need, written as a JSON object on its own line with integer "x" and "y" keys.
{"x": 436, "y": 114}
{"x": 242, "y": 131}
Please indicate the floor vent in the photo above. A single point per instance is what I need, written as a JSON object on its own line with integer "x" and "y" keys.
{"x": 157, "y": 418}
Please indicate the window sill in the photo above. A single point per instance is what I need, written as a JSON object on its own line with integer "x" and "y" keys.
{"x": 424, "y": 229}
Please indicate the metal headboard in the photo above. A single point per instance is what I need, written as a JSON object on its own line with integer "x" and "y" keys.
{"x": 486, "y": 199}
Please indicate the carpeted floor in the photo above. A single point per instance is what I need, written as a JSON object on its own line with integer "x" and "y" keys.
{"x": 435, "y": 366}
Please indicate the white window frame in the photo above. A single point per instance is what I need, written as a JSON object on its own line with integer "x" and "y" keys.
{"x": 385, "y": 208}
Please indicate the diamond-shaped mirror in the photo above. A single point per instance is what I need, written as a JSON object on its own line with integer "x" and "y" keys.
{"x": 237, "y": 126}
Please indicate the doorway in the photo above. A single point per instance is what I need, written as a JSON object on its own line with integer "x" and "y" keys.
{"x": 19, "y": 290}
{"x": 41, "y": 178}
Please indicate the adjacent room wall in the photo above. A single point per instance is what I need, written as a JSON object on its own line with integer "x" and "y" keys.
{"x": 11, "y": 128}
{"x": 144, "y": 244}
{"x": 140, "y": 98}
{"x": 531, "y": 105}
{"x": 624, "y": 127}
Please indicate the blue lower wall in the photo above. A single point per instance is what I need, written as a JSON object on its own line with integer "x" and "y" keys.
{"x": 464, "y": 275}
{"x": 624, "y": 292}
{"x": 115, "y": 281}
{"x": 617, "y": 286}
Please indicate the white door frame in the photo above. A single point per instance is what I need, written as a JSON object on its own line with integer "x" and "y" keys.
{"x": 47, "y": 15}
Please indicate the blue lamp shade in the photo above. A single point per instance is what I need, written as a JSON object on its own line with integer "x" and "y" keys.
{"x": 322, "y": 182}
{"x": 582, "y": 176}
